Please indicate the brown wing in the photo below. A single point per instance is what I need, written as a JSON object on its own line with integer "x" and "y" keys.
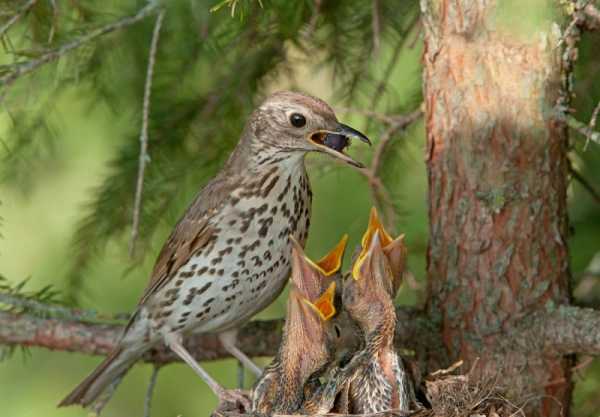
{"x": 193, "y": 232}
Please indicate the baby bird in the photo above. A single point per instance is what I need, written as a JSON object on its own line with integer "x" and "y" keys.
{"x": 306, "y": 350}
{"x": 383, "y": 383}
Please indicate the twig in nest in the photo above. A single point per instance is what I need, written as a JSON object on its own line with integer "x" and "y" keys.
{"x": 448, "y": 370}
{"x": 144, "y": 133}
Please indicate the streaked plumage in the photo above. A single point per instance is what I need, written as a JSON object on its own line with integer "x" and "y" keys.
{"x": 382, "y": 383}
{"x": 291, "y": 380}
{"x": 229, "y": 256}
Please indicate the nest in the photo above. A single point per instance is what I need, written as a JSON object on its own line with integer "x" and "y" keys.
{"x": 448, "y": 395}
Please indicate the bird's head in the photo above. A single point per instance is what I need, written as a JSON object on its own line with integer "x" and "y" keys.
{"x": 309, "y": 335}
{"x": 310, "y": 277}
{"x": 297, "y": 122}
{"x": 394, "y": 250}
{"x": 307, "y": 346}
{"x": 376, "y": 274}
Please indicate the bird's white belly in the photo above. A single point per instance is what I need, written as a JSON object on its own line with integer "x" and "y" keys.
{"x": 244, "y": 268}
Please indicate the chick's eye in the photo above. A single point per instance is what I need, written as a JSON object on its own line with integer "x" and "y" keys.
{"x": 297, "y": 120}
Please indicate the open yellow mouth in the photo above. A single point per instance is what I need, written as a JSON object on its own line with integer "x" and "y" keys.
{"x": 332, "y": 262}
{"x": 324, "y": 305}
{"x": 375, "y": 225}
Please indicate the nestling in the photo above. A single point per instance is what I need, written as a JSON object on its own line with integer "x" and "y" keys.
{"x": 306, "y": 350}
{"x": 383, "y": 383}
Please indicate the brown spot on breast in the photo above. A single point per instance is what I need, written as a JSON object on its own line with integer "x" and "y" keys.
{"x": 270, "y": 186}
{"x": 227, "y": 250}
{"x": 204, "y": 288}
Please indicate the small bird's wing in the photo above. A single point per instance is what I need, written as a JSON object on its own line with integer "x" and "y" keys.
{"x": 191, "y": 234}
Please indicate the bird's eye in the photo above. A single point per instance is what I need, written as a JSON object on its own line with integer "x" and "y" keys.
{"x": 297, "y": 120}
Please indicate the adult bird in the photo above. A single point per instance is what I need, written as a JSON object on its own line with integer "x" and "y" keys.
{"x": 229, "y": 256}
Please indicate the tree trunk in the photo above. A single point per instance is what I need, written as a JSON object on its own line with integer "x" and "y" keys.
{"x": 497, "y": 172}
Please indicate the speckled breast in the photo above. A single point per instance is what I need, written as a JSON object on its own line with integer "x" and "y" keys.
{"x": 247, "y": 263}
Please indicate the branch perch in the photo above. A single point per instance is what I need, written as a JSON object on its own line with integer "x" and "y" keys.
{"x": 571, "y": 329}
{"x": 257, "y": 338}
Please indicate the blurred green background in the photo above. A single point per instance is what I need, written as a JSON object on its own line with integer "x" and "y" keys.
{"x": 70, "y": 139}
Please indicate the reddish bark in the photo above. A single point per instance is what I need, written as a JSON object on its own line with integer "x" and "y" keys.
{"x": 497, "y": 173}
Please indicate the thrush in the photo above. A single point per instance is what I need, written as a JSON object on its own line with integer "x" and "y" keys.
{"x": 229, "y": 255}
{"x": 382, "y": 384}
{"x": 307, "y": 347}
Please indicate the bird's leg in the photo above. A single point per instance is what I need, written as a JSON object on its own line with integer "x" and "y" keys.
{"x": 240, "y": 375}
{"x": 228, "y": 339}
{"x": 231, "y": 396}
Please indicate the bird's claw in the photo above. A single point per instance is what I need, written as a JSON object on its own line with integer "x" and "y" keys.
{"x": 234, "y": 400}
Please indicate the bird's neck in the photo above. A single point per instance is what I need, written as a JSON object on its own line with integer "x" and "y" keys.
{"x": 300, "y": 356}
{"x": 381, "y": 338}
{"x": 263, "y": 156}
{"x": 252, "y": 155}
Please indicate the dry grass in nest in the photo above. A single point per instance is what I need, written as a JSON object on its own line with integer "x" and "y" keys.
{"x": 467, "y": 395}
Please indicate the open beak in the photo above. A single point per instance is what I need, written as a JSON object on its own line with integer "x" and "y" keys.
{"x": 394, "y": 250}
{"x": 301, "y": 310}
{"x": 324, "y": 304}
{"x": 371, "y": 269}
{"x": 332, "y": 262}
{"x": 309, "y": 276}
{"x": 302, "y": 316}
{"x": 305, "y": 277}
{"x": 334, "y": 143}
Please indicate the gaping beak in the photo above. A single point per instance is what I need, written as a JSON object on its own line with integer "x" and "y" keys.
{"x": 332, "y": 262}
{"x": 305, "y": 277}
{"x": 324, "y": 305}
{"x": 394, "y": 250}
{"x": 309, "y": 276}
{"x": 303, "y": 318}
{"x": 372, "y": 269}
{"x": 334, "y": 143}
{"x": 306, "y": 315}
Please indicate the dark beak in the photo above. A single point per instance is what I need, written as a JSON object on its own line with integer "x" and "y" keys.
{"x": 334, "y": 143}
{"x": 353, "y": 133}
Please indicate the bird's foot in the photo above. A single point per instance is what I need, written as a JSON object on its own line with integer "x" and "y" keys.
{"x": 234, "y": 400}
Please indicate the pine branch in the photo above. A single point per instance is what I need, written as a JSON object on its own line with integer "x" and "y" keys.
{"x": 585, "y": 184}
{"x": 568, "y": 330}
{"x": 25, "y": 67}
{"x": 37, "y": 308}
{"x": 379, "y": 192}
{"x": 15, "y": 18}
{"x": 582, "y": 128}
{"x": 257, "y": 338}
{"x": 144, "y": 133}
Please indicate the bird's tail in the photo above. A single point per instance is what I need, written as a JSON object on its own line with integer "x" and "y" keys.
{"x": 113, "y": 367}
